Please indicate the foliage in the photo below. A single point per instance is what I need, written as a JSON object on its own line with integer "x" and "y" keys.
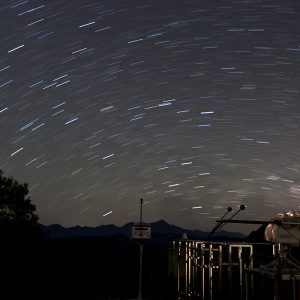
{"x": 18, "y": 219}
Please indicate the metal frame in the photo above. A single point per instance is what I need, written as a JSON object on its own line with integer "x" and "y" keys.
{"x": 205, "y": 269}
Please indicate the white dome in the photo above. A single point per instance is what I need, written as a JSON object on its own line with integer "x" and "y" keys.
{"x": 288, "y": 232}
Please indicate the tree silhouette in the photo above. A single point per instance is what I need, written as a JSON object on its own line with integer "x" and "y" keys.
{"x": 18, "y": 219}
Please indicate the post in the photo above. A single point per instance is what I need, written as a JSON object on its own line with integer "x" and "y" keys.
{"x": 278, "y": 280}
{"x": 141, "y": 214}
{"x": 141, "y": 232}
{"x": 140, "y": 272}
{"x": 141, "y": 253}
{"x": 210, "y": 271}
{"x": 240, "y": 254}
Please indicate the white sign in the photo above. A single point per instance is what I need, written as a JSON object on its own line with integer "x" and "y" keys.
{"x": 141, "y": 232}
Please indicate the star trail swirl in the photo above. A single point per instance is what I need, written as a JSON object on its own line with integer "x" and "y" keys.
{"x": 191, "y": 105}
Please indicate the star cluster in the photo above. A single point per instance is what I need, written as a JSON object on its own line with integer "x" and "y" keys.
{"x": 191, "y": 105}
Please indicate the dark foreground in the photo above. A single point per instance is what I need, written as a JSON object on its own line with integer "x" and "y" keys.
{"x": 85, "y": 268}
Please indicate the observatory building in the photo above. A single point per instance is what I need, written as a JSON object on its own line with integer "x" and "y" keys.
{"x": 268, "y": 270}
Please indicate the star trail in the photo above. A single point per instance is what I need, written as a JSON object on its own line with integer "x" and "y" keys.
{"x": 191, "y": 105}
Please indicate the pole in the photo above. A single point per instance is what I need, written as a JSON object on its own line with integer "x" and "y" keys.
{"x": 141, "y": 214}
{"x": 278, "y": 280}
{"x": 141, "y": 255}
{"x": 140, "y": 272}
{"x": 277, "y": 222}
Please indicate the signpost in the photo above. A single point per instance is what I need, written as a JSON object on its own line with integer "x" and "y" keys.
{"x": 141, "y": 232}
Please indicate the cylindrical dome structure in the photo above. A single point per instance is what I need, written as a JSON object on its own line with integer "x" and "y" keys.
{"x": 288, "y": 232}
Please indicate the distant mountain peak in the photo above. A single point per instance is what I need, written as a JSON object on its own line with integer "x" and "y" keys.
{"x": 160, "y": 222}
{"x": 160, "y": 227}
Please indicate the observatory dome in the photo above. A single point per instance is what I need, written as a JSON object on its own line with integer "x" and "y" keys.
{"x": 286, "y": 230}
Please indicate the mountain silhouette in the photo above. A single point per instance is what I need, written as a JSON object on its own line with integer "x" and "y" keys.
{"x": 159, "y": 228}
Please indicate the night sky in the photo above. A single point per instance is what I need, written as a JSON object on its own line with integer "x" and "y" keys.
{"x": 192, "y": 105}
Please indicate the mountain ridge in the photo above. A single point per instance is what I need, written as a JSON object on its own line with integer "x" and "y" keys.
{"x": 158, "y": 228}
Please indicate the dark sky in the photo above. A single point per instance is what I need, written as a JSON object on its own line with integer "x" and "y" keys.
{"x": 191, "y": 105}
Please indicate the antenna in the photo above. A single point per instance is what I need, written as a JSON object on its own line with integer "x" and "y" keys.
{"x": 242, "y": 207}
{"x": 222, "y": 222}
{"x": 141, "y": 212}
{"x": 229, "y": 209}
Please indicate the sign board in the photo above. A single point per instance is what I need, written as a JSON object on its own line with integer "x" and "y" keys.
{"x": 141, "y": 232}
